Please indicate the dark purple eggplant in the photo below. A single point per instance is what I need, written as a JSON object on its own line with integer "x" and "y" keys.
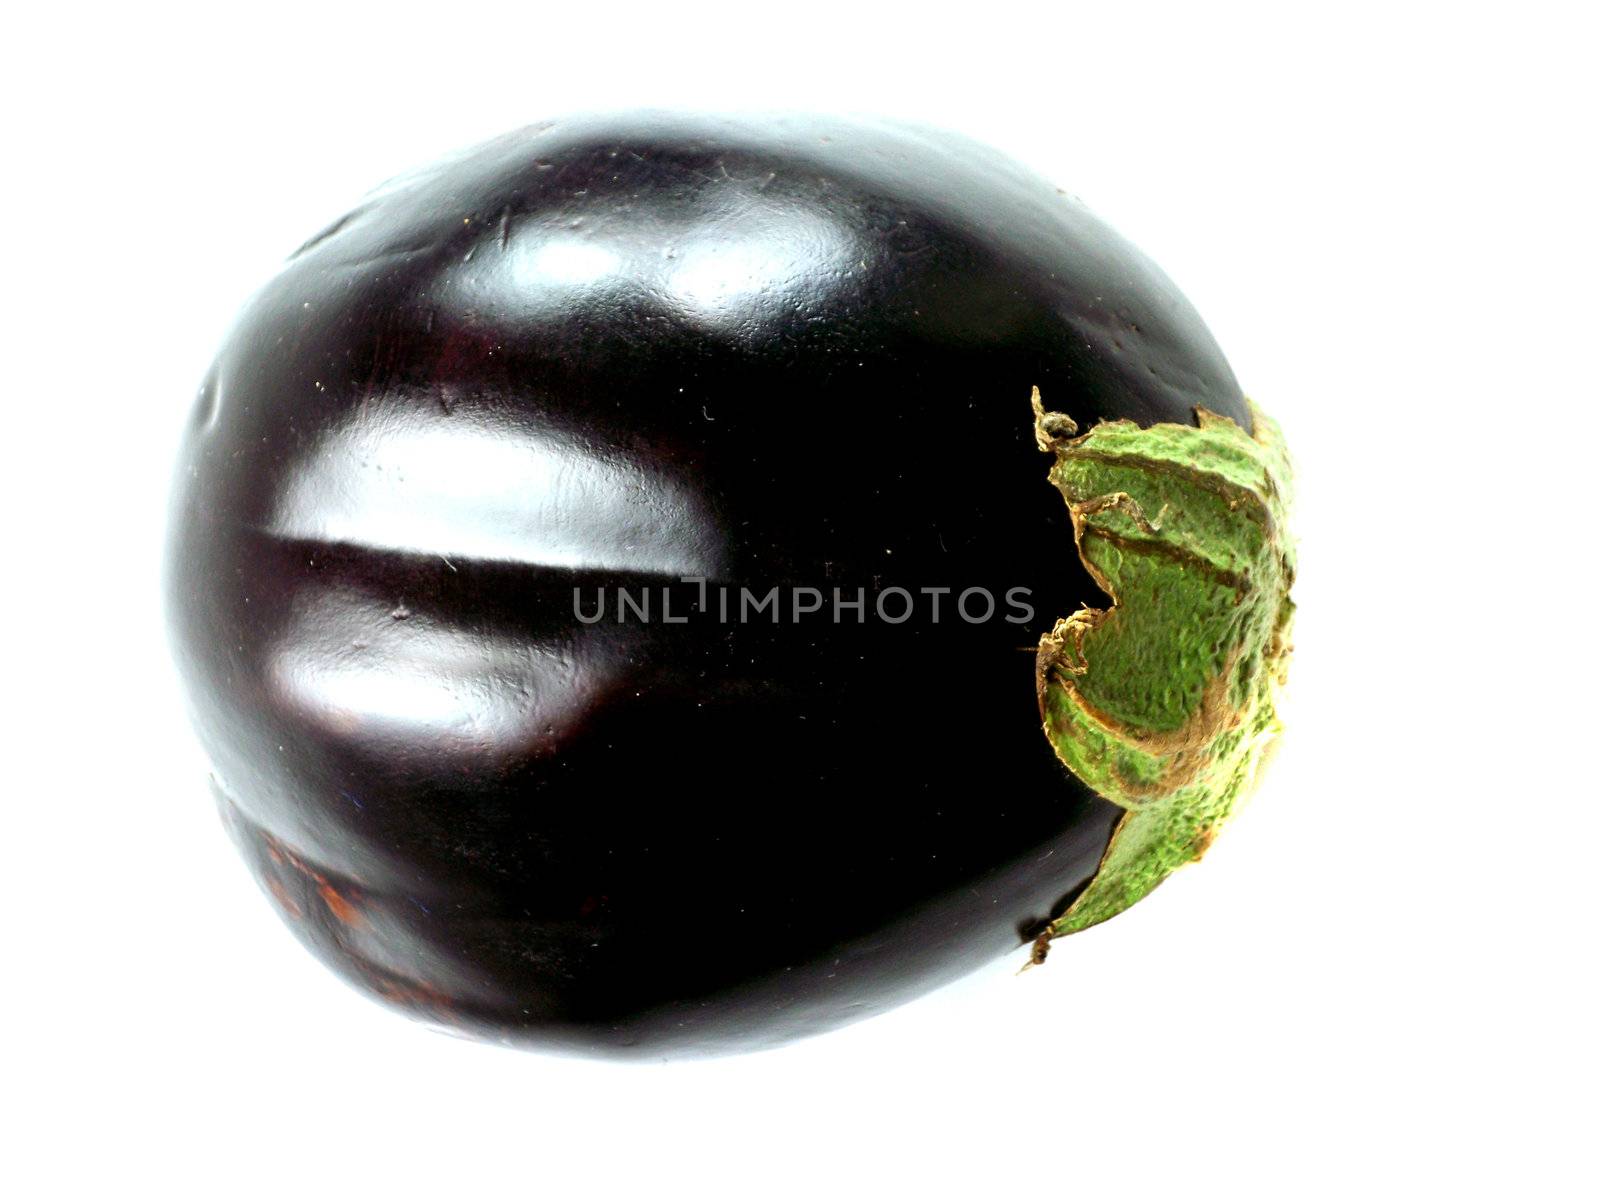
{"x": 681, "y": 360}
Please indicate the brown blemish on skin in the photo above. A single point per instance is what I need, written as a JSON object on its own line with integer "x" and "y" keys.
{"x": 291, "y": 881}
{"x": 411, "y": 994}
{"x": 339, "y": 904}
{"x": 343, "y": 911}
{"x": 418, "y": 995}
{"x": 281, "y": 895}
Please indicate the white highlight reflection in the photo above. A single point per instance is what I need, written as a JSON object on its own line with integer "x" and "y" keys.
{"x": 742, "y": 270}
{"x": 351, "y": 668}
{"x": 571, "y": 262}
{"x": 462, "y": 487}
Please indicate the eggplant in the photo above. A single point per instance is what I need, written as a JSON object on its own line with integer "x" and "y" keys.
{"x": 643, "y": 590}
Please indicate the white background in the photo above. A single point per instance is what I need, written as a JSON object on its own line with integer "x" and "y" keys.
{"x": 1380, "y": 982}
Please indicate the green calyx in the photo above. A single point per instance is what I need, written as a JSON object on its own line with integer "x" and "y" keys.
{"x": 1164, "y": 702}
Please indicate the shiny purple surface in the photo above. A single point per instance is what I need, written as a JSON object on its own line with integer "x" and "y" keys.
{"x": 620, "y": 351}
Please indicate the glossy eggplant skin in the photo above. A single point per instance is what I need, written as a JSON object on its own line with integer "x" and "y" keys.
{"x": 620, "y": 351}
